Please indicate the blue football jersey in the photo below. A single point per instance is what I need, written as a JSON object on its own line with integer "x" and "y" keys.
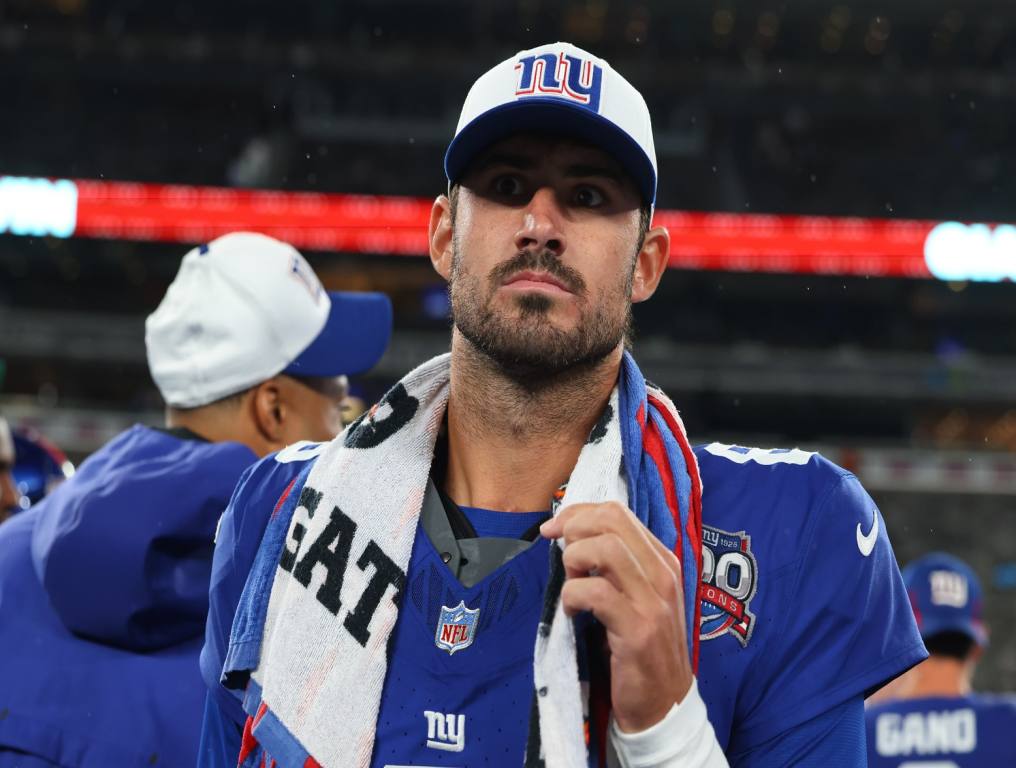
{"x": 803, "y": 603}
{"x": 460, "y": 684}
{"x": 973, "y": 731}
{"x": 803, "y": 609}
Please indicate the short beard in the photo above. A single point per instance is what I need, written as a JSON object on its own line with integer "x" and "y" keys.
{"x": 526, "y": 347}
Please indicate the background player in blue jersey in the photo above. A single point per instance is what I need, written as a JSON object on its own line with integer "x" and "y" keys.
{"x": 930, "y": 716}
{"x": 9, "y": 496}
{"x": 104, "y": 583}
{"x": 544, "y": 238}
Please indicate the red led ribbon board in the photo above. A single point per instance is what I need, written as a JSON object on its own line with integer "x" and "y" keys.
{"x": 798, "y": 244}
{"x": 182, "y": 214}
{"x": 398, "y": 226}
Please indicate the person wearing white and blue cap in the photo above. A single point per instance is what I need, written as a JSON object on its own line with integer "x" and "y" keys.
{"x": 931, "y": 715}
{"x": 247, "y": 324}
{"x": 516, "y": 557}
{"x": 104, "y": 582}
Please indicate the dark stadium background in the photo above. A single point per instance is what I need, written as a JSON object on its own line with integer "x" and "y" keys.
{"x": 894, "y": 109}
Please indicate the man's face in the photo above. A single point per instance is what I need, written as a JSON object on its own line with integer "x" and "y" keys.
{"x": 10, "y": 498}
{"x": 314, "y": 407}
{"x": 545, "y": 236}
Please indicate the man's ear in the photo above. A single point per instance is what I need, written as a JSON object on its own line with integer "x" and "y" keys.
{"x": 650, "y": 264}
{"x": 269, "y": 412}
{"x": 976, "y": 653}
{"x": 440, "y": 234}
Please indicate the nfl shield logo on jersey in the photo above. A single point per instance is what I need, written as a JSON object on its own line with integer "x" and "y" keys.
{"x": 456, "y": 627}
{"x": 729, "y": 582}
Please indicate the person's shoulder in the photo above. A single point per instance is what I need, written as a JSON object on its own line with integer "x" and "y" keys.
{"x": 752, "y": 464}
{"x": 266, "y": 481}
{"x": 154, "y": 452}
{"x": 786, "y": 482}
{"x": 1002, "y": 705}
{"x": 788, "y": 506}
{"x": 883, "y": 706}
{"x": 260, "y": 493}
{"x": 995, "y": 715}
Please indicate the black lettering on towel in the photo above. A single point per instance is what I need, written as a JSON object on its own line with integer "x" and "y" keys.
{"x": 330, "y": 549}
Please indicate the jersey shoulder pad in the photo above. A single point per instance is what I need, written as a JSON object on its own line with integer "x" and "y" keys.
{"x": 727, "y": 456}
{"x": 300, "y": 452}
{"x": 266, "y": 481}
{"x": 771, "y": 472}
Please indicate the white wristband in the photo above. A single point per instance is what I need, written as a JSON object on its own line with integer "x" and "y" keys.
{"x": 683, "y": 739}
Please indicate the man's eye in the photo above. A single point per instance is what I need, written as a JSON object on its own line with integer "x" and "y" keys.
{"x": 508, "y": 186}
{"x": 588, "y": 197}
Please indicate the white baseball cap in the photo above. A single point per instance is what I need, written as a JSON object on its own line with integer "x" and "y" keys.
{"x": 558, "y": 89}
{"x": 246, "y": 307}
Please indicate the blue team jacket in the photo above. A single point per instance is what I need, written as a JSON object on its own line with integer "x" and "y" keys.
{"x": 103, "y": 597}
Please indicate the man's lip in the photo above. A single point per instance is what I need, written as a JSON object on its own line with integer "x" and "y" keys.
{"x": 536, "y": 277}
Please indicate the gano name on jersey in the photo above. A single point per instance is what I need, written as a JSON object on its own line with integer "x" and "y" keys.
{"x": 959, "y": 732}
{"x": 803, "y": 609}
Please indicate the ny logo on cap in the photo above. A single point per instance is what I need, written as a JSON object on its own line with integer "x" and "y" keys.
{"x": 948, "y": 588}
{"x": 562, "y": 76}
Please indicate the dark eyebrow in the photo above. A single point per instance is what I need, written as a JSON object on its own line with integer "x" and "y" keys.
{"x": 603, "y": 171}
{"x": 522, "y": 162}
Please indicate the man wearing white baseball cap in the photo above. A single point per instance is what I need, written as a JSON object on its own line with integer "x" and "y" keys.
{"x": 104, "y": 583}
{"x": 516, "y": 557}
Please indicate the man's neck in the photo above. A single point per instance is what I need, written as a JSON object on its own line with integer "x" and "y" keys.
{"x": 511, "y": 445}
{"x": 937, "y": 677}
{"x": 217, "y": 426}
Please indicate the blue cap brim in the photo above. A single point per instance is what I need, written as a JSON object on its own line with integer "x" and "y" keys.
{"x": 972, "y": 629}
{"x": 548, "y": 115}
{"x": 354, "y": 338}
{"x": 935, "y": 619}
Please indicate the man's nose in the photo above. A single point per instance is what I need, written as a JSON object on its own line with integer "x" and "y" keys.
{"x": 541, "y": 226}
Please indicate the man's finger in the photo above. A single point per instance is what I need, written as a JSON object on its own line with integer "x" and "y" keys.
{"x": 608, "y": 556}
{"x": 581, "y": 521}
{"x": 554, "y": 528}
{"x": 598, "y": 596}
{"x": 578, "y": 521}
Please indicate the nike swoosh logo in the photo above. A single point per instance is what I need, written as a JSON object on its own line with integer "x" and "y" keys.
{"x": 867, "y": 543}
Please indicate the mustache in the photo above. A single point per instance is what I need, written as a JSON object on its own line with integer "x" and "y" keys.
{"x": 540, "y": 261}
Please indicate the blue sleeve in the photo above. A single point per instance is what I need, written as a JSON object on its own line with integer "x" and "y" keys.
{"x": 834, "y": 739}
{"x": 237, "y": 540}
{"x": 848, "y": 627}
{"x": 220, "y": 738}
